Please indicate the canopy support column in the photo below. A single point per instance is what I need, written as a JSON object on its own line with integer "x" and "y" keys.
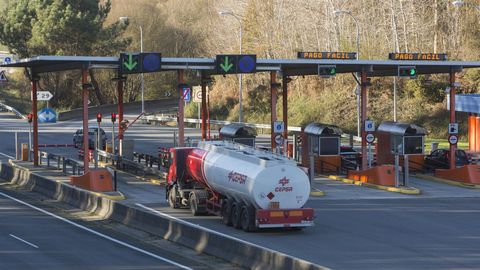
{"x": 285, "y": 81}
{"x": 180, "y": 116}
{"x": 273, "y": 106}
{"x": 35, "y": 120}
{"x": 120, "y": 105}
{"x": 204, "y": 107}
{"x": 453, "y": 147}
{"x": 363, "y": 97}
{"x": 85, "y": 89}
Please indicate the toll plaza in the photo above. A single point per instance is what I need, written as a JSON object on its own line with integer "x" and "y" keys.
{"x": 323, "y": 64}
{"x": 281, "y": 70}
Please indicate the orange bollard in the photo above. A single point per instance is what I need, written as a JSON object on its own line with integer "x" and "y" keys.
{"x": 472, "y": 133}
{"x": 477, "y": 134}
{"x": 99, "y": 180}
{"x": 380, "y": 175}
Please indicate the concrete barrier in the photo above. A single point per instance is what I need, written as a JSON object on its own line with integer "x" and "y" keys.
{"x": 198, "y": 238}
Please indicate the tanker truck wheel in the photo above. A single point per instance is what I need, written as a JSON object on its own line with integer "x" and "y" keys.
{"x": 237, "y": 215}
{"x": 195, "y": 206}
{"x": 227, "y": 212}
{"x": 248, "y": 219}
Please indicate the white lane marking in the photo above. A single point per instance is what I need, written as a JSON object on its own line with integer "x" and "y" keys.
{"x": 24, "y": 241}
{"x": 217, "y": 233}
{"x": 8, "y": 156}
{"x": 97, "y": 233}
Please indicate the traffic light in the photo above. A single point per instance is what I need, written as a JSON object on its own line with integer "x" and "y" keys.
{"x": 131, "y": 63}
{"x": 407, "y": 71}
{"x": 327, "y": 71}
{"x": 236, "y": 63}
{"x": 30, "y": 117}
{"x": 114, "y": 118}
{"x": 99, "y": 117}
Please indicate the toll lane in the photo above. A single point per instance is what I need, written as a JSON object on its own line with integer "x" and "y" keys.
{"x": 435, "y": 233}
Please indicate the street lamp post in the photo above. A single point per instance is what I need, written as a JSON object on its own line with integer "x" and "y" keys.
{"x": 357, "y": 90}
{"x": 240, "y": 78}
{"x": 143, "y": 81}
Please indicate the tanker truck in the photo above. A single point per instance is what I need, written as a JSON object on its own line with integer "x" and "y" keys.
{"x": 250, "y": 189}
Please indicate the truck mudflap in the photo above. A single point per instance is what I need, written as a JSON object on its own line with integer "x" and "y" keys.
{"x": 279, "y": 218}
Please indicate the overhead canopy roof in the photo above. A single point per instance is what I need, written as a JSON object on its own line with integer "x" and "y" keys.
{"x": 403, "y": 129}
{"x": 289, "y": 67}
{"x": 236, "y": 130}
{"x": 318, "y": 129}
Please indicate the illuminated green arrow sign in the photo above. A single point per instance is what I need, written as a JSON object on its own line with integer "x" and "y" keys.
{"x": 130, "y": 64}
{"x": 226, "y": 65}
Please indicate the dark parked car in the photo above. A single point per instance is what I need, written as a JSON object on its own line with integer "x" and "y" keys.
{"x": 439, "y": 158}
{"x": 78, "y": 138}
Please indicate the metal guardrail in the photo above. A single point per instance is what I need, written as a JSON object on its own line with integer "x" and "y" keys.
{"x": 162, "y": 118}
{"x": 135, "y": 166}
{"x": 76, "y": 167}
{"x": 61, "y": 161}
{"x": 11, "y": 109}
{"x": 108, "y": 156}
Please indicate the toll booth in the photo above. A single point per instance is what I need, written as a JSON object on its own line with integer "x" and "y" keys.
{"x": 238, "y": 133}
{"x": 395, "y": 138}
{"x": 323, "y": 144}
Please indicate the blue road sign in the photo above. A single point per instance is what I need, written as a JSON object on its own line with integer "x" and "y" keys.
{"x": 47, "y": 115}
{"x": 152, "y": 62}
{"x": 247, "y": 63}
{"x": 7, "y": 60}
{"x": 187, "y": 94}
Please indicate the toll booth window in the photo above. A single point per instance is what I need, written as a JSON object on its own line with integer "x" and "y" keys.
{"x": 330, "y": 146}
{"x": 313, "y": 143}
{"x": 397, "y": 145}
{"x": 413, "y": 145}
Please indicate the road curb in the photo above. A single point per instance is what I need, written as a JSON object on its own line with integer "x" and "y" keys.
{"x": 193, "y": 236}
{"x": 117, "y": 196}
{"x": 402, "y": 190}
{"x": 315, "y": 192}
{"x": 446, "y": 181}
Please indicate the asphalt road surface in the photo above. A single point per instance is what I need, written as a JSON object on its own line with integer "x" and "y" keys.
{"x": 34, "y": 239}
{"x": 356, "y": 227}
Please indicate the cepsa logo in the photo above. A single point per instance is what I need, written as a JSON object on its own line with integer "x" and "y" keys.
{"x": 237, "y": 177}
{"x": 284, "y": 181}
